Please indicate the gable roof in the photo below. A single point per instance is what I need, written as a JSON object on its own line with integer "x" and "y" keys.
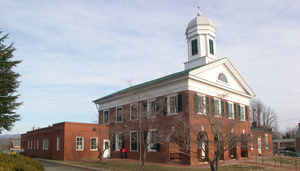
{"x": 170, "y": 76}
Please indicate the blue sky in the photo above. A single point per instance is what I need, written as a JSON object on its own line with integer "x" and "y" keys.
{"x": 76, "y": 51}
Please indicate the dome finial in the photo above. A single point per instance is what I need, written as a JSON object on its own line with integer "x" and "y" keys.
{"x": 199, "y": 11}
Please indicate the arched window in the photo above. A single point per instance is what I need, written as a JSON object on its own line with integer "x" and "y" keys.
{"x": 222, "y": 77}
{"x": 202, "y": 146}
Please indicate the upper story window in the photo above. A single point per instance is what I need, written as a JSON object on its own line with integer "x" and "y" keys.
{"x": 217, "y": 106}
{"x": 267, "y": 141}
{"x": 79, "y": 143}
{"x": 242, "y": 113}
{"x": 211, "y": 47}
{"x": 153, "y": 107}
{"x": 222, "y": 77}
{"x": 119, "y": 114}
{"x": 106, "y": 116}
{"x": 194, "y": 44}
{"x": 230, "y": 110}
{"x": 200, "y": 104}
{"x": 133, "y": 111}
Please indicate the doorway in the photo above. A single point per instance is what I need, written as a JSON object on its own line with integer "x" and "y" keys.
{"x": 106, "y": 149}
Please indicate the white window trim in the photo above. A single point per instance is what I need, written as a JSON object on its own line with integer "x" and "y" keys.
{"x": 44, "y": 144}
{"x": 149, "y": 112}
{"x": 106, "y": 110}
{"x": 243, "y": 112}
{"x": 58, "y": 143}
{"x": 96, "y": 149}
{"x": 219, "y": 114}
{"x": 231, "y": 114}
{"x": 28, "y": 144}
{"x": 149, "y": 136}
{"x": 169, "y": 107}
{"x": 137, "y": 111}
{"x": 82, "y": 143}
{"x": 122, "y": 114}
{"x": 204, "y": 105}
{"x": 137, "y": 148}
{"x": 117, "y": 141}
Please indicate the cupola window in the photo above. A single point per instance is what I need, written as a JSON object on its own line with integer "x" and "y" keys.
{"x": 222, "y": 77}
{"x": 194, "y": 44}
{"x": 211, "y": 46}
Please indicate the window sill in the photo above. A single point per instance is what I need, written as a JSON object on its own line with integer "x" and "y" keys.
{"x": 118, "y": 121}
{"x": 199, "y": 113}
{"x": 133, "y": 151}
{"x": 93, "y": 149}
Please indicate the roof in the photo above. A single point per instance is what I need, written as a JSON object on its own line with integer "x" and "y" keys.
{"x": 200, "y": 20}
{"x": 154, "y": 81}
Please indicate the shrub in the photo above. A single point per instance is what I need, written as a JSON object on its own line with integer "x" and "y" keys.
{"x": 16, "y": 162}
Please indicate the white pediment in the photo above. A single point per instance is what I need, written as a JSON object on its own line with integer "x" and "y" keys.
{"x": 210, "y": 75}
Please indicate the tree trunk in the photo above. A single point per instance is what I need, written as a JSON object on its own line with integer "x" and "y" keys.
{"x": 212, "y": 166}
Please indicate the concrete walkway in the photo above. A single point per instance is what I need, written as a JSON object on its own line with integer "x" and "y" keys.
{"x": 54, "y": 165}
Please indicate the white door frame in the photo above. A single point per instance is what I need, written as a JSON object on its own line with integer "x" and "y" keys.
{"x": 106, "y": 152}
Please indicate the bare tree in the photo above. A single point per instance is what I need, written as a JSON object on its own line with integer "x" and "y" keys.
{"x": 290, "y": 133}
{"x": 263, "y": 115}
{"x": 143, "y": 119}
{"x": 208, "y": 148}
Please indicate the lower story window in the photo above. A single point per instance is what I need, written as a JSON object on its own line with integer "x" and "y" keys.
{"x": 133, "y": 141}
{"x": 94, "y": 144}
{"x": 79, "y": 143}
{"x": 45, "y": 144}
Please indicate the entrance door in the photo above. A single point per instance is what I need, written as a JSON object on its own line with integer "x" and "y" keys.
{"x": 259, "y": 145}
{"x": 106, "y": 149}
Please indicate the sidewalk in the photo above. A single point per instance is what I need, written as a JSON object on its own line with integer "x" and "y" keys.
{"x": 68, "y": 164}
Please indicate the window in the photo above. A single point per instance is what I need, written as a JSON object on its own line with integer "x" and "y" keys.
{"x": 79, "y": 143}
{"x": 172, "y": 104}
{"x": 106, "y": 116}
{"x": 133, "y": 111}
{"x": 94, "y": 144}
{"x": 199, "y": 104}
{"x": 194, "y": 44}
{"x": 217, "y": 103}
{"x": 230, "y": 110}
{"x": 267, "y": 141}
{"x": 57, "y": 143}
{"x": 153, "y": 107}
{"x": 119, "y": 114}
{"x": 45, "y": 144}
{"x": 222, "y": 77}
{"x": 119, "y": 141}
{"x": 133, "y": 141}
{"x": 28, "y": 144}
{"x": 153, "y": 140}
{"x": 242, "y": 113}
{"x": 37, "y": 144}
{"x": 211, "y": 46}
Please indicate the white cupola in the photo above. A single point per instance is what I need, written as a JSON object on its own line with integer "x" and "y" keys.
{"x": 201, "y": 39}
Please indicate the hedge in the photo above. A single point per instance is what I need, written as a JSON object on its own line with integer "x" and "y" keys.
{"x": 16, "y": 162}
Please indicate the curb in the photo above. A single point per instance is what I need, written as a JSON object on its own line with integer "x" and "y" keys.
{"x": 68, "y": 164}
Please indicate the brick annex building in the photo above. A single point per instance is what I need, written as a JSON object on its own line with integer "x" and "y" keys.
{"x": 208, "y": 86}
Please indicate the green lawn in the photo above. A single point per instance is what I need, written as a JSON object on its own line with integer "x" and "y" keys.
{"x": 123, "y": 165}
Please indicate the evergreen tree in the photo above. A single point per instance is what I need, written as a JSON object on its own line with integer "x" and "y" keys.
{"x": 8, "y": 85}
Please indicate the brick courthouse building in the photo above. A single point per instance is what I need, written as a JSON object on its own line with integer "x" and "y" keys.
{"x": 208, "y": 86}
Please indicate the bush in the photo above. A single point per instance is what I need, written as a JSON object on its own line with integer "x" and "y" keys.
{"x": 16, "y": 162}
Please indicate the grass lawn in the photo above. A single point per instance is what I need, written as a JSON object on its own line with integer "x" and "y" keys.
{"x": 284, "y": 160}
{"x": 123, "y": 165}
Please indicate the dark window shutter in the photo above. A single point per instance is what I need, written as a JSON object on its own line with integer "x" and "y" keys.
{"x": 179, "y": 103}
{"x": 113, "y": 142}
{"x": 235, "y": 111}
{"x": 212, "y": 105}
{"x": 222, "y": 108}
{"x": 207, "y": 104}
{"x": 165, "y": 106}
{"x": 227, "y": 109}
{"x": 196, "y": 103}
{"x": 247, "y": 112}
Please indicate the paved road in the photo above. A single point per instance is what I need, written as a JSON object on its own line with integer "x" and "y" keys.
{"x": 59, "y": 167}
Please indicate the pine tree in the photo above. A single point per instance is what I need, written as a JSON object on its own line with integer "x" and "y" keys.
{"x": 8, "y": 85}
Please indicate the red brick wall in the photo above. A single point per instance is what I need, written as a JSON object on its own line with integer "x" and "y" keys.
{"x": 67, "y": 132}
{"x": 298, "y": 144}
